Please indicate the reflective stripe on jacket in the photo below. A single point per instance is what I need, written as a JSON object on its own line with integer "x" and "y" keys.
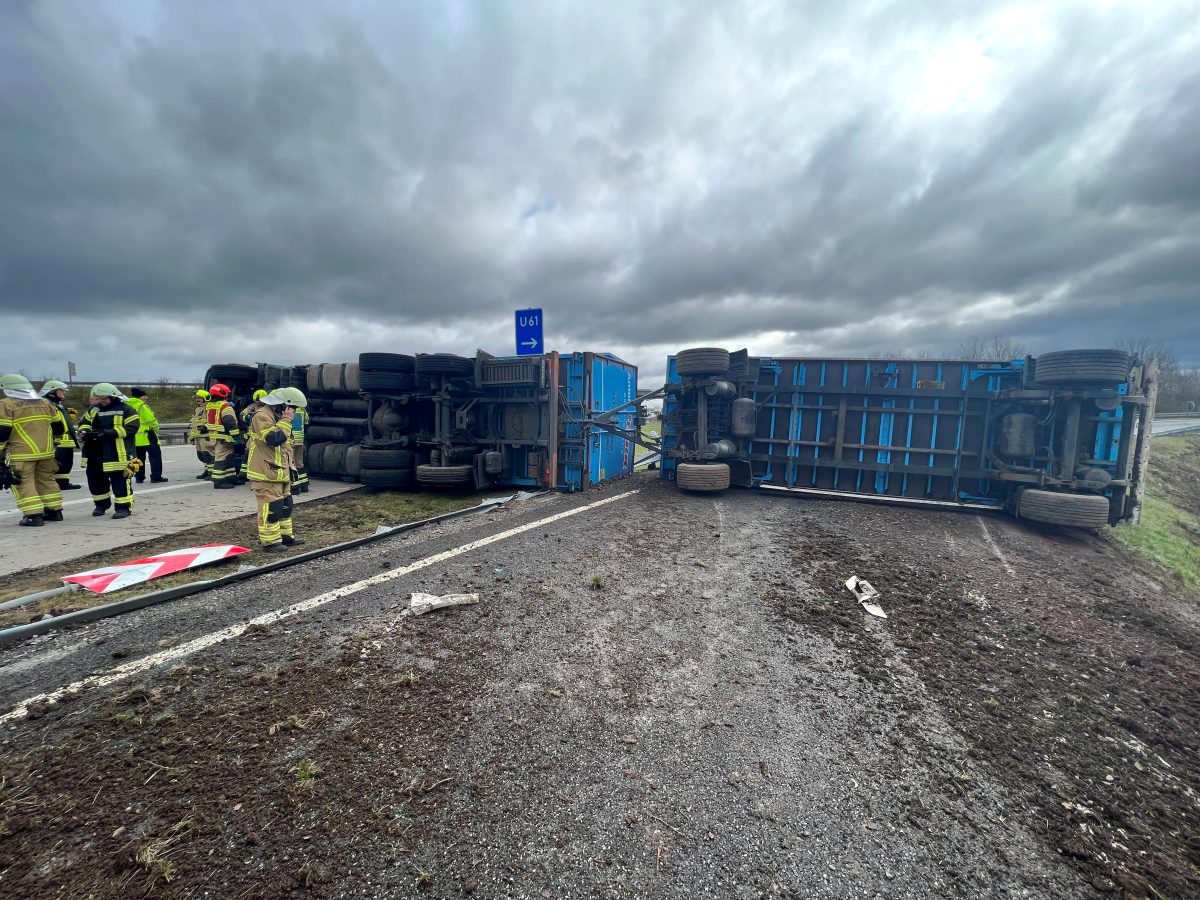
{"x": 270, "y": 456}
{"x": 110, "y": 432}
{"x": 67, "y": 438}
{"x": 28, "y": 429}
{"x": 221, "y": 421}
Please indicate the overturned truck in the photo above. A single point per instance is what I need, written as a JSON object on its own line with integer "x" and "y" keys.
{"x": 441, "y": 421}
{"x": 1060, "y": 438}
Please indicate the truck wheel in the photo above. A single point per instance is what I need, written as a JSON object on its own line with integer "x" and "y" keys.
{"x": 702, "y": 361}
{"x": 233, "y": 372}
{"x": 386, "y": 478}
{"x": 445, "y": 475}
{"x": 372, "y": 458}
{"x": 1082, "y": 366}
{"x": 386, "y": 362}
{"x": 329, "y": 433}
{"x": 387, "y": 381}
{"x": 444, "y": 364}
{"x": 702, "y": 477}
{"x": 1055, "y": 508}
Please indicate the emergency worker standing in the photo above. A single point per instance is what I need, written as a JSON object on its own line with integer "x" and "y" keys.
{"x": 270, "y": 465}
{"x": 198, "y": 434}
{"x": 29, "y": 429}
{"x": 108, "y": 431}
{"x": 299, "y": 470}
{"x": 64, "y": 448}
{"x": 147, "y": 443}
{"x": 222, "y": 429}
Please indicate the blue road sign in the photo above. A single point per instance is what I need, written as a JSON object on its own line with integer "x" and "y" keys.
{"x": 529, "y": 332}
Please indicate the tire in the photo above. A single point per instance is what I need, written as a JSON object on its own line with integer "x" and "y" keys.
{"x": 313, "y": 458}
{"x": 322, "y": 433}
{"x": 444, "y": 364}
{"x": 386, "y": 478}
{"x": 1055, "y": 508}
{"x": 387, "y": 381}
{"x": 1082, "y": 366}
{"x": 445, "y": 475}
{"x": 386, "y": 362}
{"x": 702, "y": 477}
{"x": 386, "y": 459}
{"x": 702, "y": 361}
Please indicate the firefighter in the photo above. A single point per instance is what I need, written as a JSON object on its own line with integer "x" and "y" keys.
{"x": 222, "y": 429}
{"x": 299, "y": 470}
{"x": 252, "y": 408}
{"x": 198, "y": 434}
{"x": 270, "y": 467}
{"x": 29, "y": 429}
{"x": 64, "y": 450}
{"x": 147, "y": 443}
{"x": 109, "y": 433}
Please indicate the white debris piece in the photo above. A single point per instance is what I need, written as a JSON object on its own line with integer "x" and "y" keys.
{"x": 419, "y": 604}
{"x": 864, "y": 593}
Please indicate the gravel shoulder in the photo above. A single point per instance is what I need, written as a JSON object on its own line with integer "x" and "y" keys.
{"x": 667, "y": 696}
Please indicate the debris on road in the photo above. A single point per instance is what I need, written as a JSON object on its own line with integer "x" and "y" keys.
{"x": 419, "y": 604}
{"x": 864, "y": 593}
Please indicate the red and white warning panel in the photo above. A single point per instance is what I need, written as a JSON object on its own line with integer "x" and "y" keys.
{"x": 123, "y": 575}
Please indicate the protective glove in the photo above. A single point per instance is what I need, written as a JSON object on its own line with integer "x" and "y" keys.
{"x": 202, "y": 429}
{"x": 8, "y": 477}
{"x": 109, "y": 432}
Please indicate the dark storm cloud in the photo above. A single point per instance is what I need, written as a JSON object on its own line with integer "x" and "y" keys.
{"x": 830, "y": 178}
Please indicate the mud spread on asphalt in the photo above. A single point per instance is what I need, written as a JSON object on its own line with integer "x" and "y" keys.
{"x": 673, "y": 698}
{"x": 1075, "y": 680}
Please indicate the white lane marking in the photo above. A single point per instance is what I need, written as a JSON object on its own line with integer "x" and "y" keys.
{"x": 120, "y": 673}
{"x": 987, "y": 535}
{"x": 137, "y": 492}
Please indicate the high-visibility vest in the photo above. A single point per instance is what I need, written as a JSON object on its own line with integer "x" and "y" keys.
{"x": 147, "y": 418}
{"x": 216, "y": 412}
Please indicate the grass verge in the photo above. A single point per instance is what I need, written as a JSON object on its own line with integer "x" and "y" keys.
{"x": 1169, "y": 533}
{"x": 321, "y": 523}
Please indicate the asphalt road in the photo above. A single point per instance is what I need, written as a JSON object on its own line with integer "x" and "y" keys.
{"x": 159, "y": 510}
{"x": 647, "y": 701}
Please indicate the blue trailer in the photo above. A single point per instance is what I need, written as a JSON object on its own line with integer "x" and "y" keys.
{"x": 1060, "y": 438}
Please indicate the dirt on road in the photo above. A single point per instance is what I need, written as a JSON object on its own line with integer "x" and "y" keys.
{"x": 669, "y": 696}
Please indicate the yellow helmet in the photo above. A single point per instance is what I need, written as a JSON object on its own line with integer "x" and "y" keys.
{"x": 203, "y": 395}
{"x": 259, "y": 394}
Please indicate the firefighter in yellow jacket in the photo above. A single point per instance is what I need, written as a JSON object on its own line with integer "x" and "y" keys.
{"x": 65, "y": 446}
{"x": 109, "y": 432}
{"x": 270, "y": 467}
{"x": 223, "y": 430}
{"x": 29, "y": 428}
{"x": 198, "y": 434}
{"x": 299, "y": 469}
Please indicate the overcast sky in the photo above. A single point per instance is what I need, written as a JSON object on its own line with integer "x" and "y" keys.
{"x": 185, "y": 182}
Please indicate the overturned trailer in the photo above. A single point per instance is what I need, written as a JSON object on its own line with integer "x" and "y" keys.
{"x": 1061, "y": 437}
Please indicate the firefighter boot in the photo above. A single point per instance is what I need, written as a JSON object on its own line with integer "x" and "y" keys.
{"x": 122, "y": 512}
{"x": 53, "y": 515}
{"x": 292, "y": 541}
{"x": 35, "y": 521}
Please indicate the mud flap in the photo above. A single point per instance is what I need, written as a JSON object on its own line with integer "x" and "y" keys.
{"x": 740, "y": 473}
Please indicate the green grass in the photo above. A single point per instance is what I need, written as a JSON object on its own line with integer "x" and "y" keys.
{"x": 1168, "y": 535}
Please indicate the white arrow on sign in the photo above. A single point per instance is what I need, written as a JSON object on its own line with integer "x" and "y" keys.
{"x": 531, "y": 343}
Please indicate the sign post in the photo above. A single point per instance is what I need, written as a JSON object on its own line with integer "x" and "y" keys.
{"x": 529, "y": 332}
{"x": 71, "y": 372}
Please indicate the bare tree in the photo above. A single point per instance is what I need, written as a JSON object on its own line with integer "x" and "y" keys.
{"x": 162, "y": 381}
{"x": 1148, "y": 348}
{"x": 995, "y": 348}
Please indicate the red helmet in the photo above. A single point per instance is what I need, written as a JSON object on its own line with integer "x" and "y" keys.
{"x": 220, "y": 391}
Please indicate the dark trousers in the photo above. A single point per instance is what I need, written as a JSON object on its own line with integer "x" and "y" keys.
{"x": 154, "y": 451}
{"x": 65, "y": 457}
{"x": 108, "y": 487}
